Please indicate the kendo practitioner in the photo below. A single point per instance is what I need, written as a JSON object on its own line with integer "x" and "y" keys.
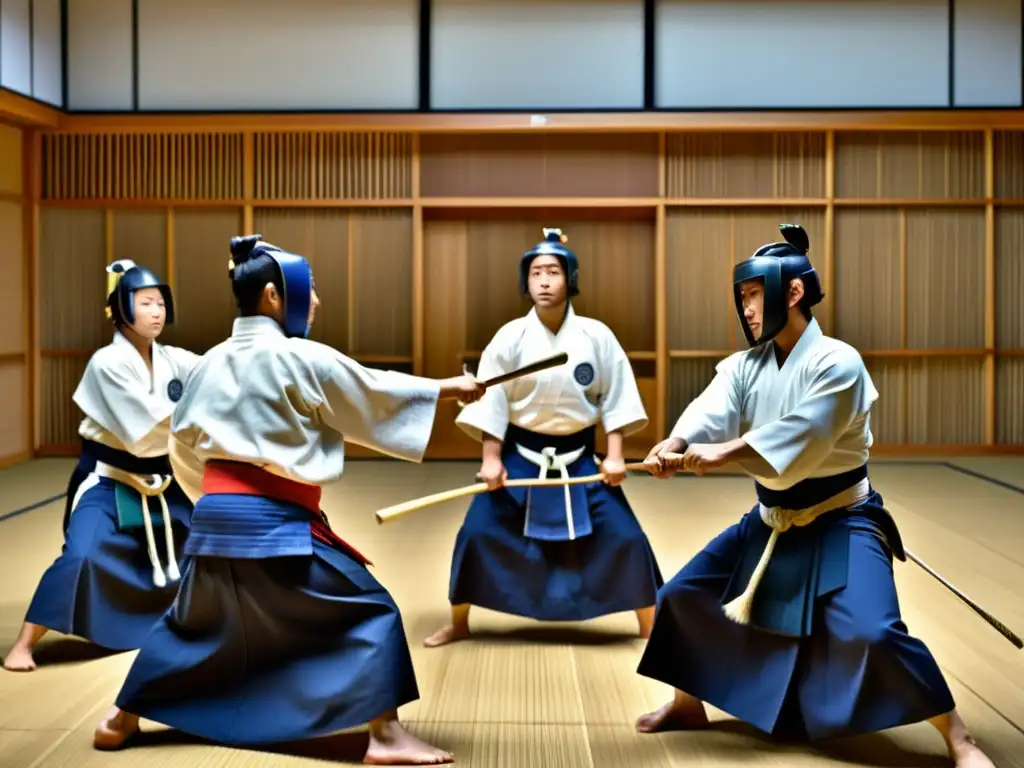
{"x": 789, "y": 619}
{"x": 279, "y": 632}
{"x": 567, "y": 553}
{"x": 125, "y": 519}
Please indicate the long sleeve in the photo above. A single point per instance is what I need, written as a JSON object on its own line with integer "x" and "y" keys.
{"x": 621, "y": 407}
{"x": 490, "y": 414}
{"x": 795, "y": 445}
{"x": 714, "y": 415}
{"x": 113, "y": 395}
{"x": 386, "y": 411}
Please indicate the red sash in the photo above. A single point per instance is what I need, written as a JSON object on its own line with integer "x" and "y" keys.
{"x": 249, "y": 480}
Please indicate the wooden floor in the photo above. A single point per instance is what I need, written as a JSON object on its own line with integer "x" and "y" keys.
{"x": 523, "y": 695}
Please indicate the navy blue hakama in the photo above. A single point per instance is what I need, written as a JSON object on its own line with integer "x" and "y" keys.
{"x": 282, "y": 636}
{"x": 514, "y": 554}
{"x": 828, "y": 657}
{"x": 101, "y": 586}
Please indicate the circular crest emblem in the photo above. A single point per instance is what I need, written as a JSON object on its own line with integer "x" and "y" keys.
{"x": 174, "y": 390}
{"x": 584, "y": 374}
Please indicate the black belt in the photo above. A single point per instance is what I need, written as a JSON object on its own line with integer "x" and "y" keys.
{"x": 126, "y": 462}
{"x": 812, "y": 491}
{"x": 534, "y": 441}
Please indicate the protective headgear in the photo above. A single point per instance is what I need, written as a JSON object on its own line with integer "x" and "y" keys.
{"x": 776, "y": 265}
{"x": 124, "y": 278}
{"x": 553, "y": 244}
{"x": 296, "y": 279}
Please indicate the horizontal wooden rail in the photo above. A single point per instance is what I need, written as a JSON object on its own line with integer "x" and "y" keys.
{"x": 526, "y": 122}
{"x": 530, "y": 202}
{"x": 12, "y": 357}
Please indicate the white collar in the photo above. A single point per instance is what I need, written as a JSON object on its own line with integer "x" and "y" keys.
{"x": 257, "y": 325}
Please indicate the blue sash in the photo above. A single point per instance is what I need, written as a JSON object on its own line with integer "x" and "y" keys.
{"x": 809, "y": 562}
{"x": 559, "y": 513}
{"x": 248, "y": 527}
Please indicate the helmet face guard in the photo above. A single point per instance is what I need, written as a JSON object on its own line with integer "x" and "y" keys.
{"x": 775, "y": 266}
{"x": 297, "y": 281}
{"x": 768, "y": 271}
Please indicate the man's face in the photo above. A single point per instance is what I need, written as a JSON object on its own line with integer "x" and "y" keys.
{"x": 752, "y": 296}
{"x": 546, "y": 282}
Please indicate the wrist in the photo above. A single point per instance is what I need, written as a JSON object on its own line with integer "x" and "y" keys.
{"x": 674, "y": 445}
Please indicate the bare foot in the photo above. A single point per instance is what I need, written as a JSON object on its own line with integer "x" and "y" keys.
{"x": 449, "y": 633}
{"x": 963, "y": 749}
{"x": 456, "y": 629}
{"x": 684, "y": 713}
{"x": 115, "y": 729}
{"x": 645, "y": 617}
{"x": 19, "y": 659}
{"x": 391, "y": 744}
{"x": 965, "y": 753}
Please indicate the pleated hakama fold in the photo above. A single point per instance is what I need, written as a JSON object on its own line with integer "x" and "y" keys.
{"x": 855, "y": 670}
{"x": 279, "y": 632}
{"x": 500, "y": 565}
{"x": 101, "y": 587}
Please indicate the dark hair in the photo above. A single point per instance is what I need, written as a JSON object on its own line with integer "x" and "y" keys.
{"x": 253, "y": 269}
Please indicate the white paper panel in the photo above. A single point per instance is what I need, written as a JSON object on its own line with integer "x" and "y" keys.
{"x": 986, "y": 53}
{"x": 15, "y": 46}
{"x": 526, "y": 54}
{"x": 802, "y": 53}
{"x": 273, "y": 54}
{"x": 46, "y": 55}
{"x": 100, "y": 54}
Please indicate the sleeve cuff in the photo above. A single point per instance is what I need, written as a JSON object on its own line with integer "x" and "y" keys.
{"x": 626, "y": 422}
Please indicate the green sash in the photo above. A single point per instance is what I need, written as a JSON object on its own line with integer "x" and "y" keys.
{"x": 129, "y": 509}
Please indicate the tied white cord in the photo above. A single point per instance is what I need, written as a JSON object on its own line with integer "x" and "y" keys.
{"x": 781, "y": 520}
{"x": 548, "y": 460}
{"x": 154, "y": 485}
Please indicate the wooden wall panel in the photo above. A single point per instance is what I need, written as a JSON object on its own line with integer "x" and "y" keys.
{"x": 545, "y": 165}
{"x": 688, "y": 379}
{"x": 15, "y": 345}
{"x": 332, "y": 166}
{"x": 742, "y": 165}
{"x": 945, "y": 402}
{"x": 910, "y": 165}
{"x": 141, "y": 235}
{"x": 889, "y": 416}
{"x": 1009, "y": 164}
{"x": 1010, "y": 278}
{"x": 204, "y": 304}
{"x": 945, "y": 284}
{"x": 700, "y": 254}
{"x": 868, "y": 284}
{"x": 142, "y": 166}
{"x": 1010, "y": 402}
{"x": 918, "y": 247}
